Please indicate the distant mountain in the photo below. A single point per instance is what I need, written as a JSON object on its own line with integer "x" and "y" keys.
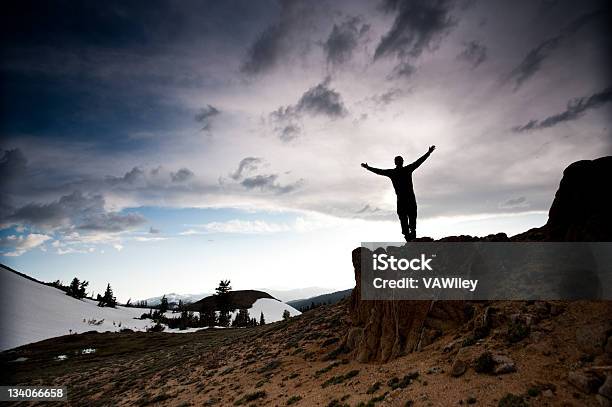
{"x": 331, "y": 298}
{"x": 173, "y": 298}
{"x": 297, "y": 293}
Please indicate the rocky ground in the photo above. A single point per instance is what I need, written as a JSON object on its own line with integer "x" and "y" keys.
{"x": 536, "y": 353}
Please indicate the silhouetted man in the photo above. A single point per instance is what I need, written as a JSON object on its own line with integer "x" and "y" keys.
{"x": 401, "y": 177}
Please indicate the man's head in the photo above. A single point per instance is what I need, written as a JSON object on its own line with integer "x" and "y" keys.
{"x": 399, "y": 161}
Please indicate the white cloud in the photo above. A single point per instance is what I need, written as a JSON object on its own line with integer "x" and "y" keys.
{"x": 21, "y": 244}
{"x": 240, "y": 227}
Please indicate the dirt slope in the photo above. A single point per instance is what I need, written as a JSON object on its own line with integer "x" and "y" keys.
{"x": 301, "y": 360}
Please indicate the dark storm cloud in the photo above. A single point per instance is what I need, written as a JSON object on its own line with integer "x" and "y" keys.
{"x": 112, "y": 222}
{"x": 403, "y": 70}
{"x": 250, "y": 180}
{"x": 58, "y": 213}
{"x": 277, "y": 40}
{"x": 205, "y": 115}
{"x": 133, "y": 176}
{"x": 575, "y": 109}
{"x": 418, "y": 25}
{"x": 13, "y": 163}
{"x": 77, "y": 210}
{"x": 387, "y": 97}
{"x": 268, "y": 182}
{"x": 182, "y": 175}
{"x": 322, "y": 100}
{"x": 246, "y": 165}
{"x": 532, "y": 62}
{"x": 102, "y": 71}
{"x": 474, "y": 52}
{"x": 319, "y": 100}
{"x": 289, "y": 132}
{"x": 343, "y": 40}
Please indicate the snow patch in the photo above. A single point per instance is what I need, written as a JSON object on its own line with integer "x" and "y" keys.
{"x": 31, "y": 312}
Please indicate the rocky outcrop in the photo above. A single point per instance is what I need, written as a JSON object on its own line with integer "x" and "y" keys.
{"x": 581, "y": 208}
{"x": 384, "y": 330}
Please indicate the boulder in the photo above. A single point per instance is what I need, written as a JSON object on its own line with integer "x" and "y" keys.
{"x": 592, "y": 338}
{"x": 459, "y": 367}
{"x": 580, "y": 211}
{"x": 503, "y": 365}
{"x": 586, "y": 382}
{"x": 606, "y": 388}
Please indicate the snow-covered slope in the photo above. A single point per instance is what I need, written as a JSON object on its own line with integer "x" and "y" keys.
{"x": 30, "y": 312}
{"x": 271, "y": 308}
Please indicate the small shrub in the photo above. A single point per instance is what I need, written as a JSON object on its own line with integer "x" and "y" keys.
{"x": 533, "y": 392}
{"x": 512, "y": 400}
{"x": 326, "y": 369}
{"x": 156, "y": 328}
{"x": 372, "y": 401}
{"x": 469, "y": 341}
{"x": 481, "y": 332}
{"x": 517, "y": 331}
{"x": 340, "y": 379}
{"x": 272, "y": 365}
{"x": 335, "y": 353}
{"x": 396, "y": 383}
{"x": 373, "y": 388}
{"x": 293, "y": 400}
{"x": 484, "y": 363}
{"x": 250, "y": 397}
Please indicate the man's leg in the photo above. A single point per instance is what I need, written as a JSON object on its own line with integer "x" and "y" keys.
{"x": 412, "y": 217}
{"x": 403, "y": 217}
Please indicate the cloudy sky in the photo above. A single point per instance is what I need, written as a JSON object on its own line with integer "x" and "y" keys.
{"x": 161, "y": 146}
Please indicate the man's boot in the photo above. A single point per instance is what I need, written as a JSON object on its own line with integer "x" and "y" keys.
{"x": 412, "y": 234}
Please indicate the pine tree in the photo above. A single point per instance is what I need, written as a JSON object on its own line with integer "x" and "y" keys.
{"x": 223, "y": 288}
{"x": 81, "y": 291}
{"x": 73, "y": 288}
{"x": 223, "y": 302}
{"x": 224, "y": 318}
{"x": 208, "y": 318}
{"x": 262, "y": 320}
{"x": 286, "y": 315}
{"x": 242, "y": 318}
{"x": 108, "y": 299}
{"x": 163, "y": 305}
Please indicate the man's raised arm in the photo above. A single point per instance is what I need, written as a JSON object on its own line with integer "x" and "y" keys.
{"x": 424, "y": 157}
{"x": 378, "y": 171}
